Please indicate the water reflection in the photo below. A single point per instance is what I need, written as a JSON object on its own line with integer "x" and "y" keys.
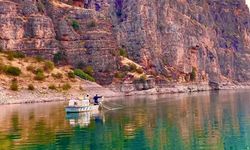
{"x": 216, "y": 120}
{"x": 83, "y": 119}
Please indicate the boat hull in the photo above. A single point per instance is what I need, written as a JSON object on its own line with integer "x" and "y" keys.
{"x": 77, "y": 109}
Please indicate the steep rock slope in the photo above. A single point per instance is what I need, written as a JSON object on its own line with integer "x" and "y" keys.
{"x": 175, "y": 36}
{"x": 80, "y": 36}
{"x": 169, "y": 38}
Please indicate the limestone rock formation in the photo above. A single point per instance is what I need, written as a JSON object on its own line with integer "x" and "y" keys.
{"x": 176, "y": 39}
{"x": 175, "y": 36}
{"x": 83, "y": 36}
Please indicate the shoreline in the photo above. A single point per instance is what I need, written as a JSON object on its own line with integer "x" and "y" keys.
{"x": 8, "y": 97}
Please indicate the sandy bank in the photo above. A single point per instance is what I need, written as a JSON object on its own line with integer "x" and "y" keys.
{"x": 45, "y": 95}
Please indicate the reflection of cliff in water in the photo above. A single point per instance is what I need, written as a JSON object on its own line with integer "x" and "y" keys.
{"x": 181, "y": 121}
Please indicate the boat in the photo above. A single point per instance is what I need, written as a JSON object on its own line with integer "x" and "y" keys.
{"x": 77, "y": 106}
{"x": 77, "y": 109}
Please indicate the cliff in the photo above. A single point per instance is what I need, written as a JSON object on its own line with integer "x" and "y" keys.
{"x": 79, "y": 37}
{"x": 174, "y": 40}
{"x": 175, "y": 36}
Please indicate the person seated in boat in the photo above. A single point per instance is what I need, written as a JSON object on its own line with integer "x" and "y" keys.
{"x": 96, "y": 101}
{"x": 85, "y": 101}
{"x": 86, "y": 98}
{"x": 72, "y": 102}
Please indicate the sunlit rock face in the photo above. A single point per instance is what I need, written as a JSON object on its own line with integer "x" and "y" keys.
{"x": 174, "y": 36}
{"x": 171, "y": 38}
{"x": 83, "y": 36}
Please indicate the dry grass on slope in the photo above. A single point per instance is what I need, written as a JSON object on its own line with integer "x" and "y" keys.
{"x": 35, "y": 74}
{"x": 130, "y": 70}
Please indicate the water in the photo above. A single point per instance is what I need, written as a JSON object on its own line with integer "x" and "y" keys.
{"x": 216, "y": 120}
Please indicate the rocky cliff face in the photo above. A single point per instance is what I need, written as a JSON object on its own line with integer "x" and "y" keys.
{"x": 175, "y": 36}
{"x": 171, "y": 38}
{"x": 81, "y": 37}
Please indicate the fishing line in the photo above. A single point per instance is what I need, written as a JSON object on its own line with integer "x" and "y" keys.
{"x": 110, "y": 107}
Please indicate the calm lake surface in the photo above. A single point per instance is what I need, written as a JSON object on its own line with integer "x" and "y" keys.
{"x": 210, "y": 120}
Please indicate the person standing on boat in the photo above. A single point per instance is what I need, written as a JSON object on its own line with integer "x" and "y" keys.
{"x": 96, "y": 97}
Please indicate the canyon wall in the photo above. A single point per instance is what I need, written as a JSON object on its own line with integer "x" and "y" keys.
{"x": 175, "y": 36}
{"x": 169, "y": 38}
{"x": 81, "y": 37}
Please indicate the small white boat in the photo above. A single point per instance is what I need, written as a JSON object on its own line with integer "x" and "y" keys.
{"x": 77, "y": 109}
{"x": 77, "y": 106}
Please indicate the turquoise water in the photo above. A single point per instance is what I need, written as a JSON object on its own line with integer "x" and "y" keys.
{"x": 216, "y": 120}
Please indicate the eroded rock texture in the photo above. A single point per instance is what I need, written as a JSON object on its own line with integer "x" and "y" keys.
{"x": 172, "y": 38}
{"x": 176, "y": 36}
{"x": 83, "y": 36}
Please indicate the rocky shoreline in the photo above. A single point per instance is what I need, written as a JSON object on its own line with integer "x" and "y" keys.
{"x": 42, "y": 96}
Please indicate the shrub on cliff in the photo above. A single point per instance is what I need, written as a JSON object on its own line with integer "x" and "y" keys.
{"x": 31, "y": 87}
{"x": 11, "y": 70}
{"x": 18, "y": 55}
{"x": 39, "y": 75}
{"x": 120, "y": 75}
{"x": 83, "y": 75}
{"x": 52, "y": 87}
{"x": 57, "y": 75}
{"x": 1, "y": 49}
{"x": 89, "y": 70}
{"x": 48, "y": 66}
{"x": 81, "y": 65}
{"x": 71, "y": 75}
{"x": 193, "y": 74}
{"x": 14, "y": 85}
{"x": 59, "y": 57}
{"x": 40, "y": 7}
{"x": 39, "y": 58}
{"x": 143, "y": 78}
{"x": 123, "y": 52}
{"x": 38, "y": 70}
{"x": 66, "y": 86}
{"x": 11, "y": 55}
{"x": 2, "y": 68}
{"x": 139, "y": 70}
{"x": 125, "y": 68}
{"x": 31, "y": 68}
{"x": 132, "y": 67}
{"x": 75, "y": 25}
{"x": 91, "y": 24}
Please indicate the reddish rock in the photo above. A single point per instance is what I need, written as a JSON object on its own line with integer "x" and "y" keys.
{"x": 166, "y": 37}
{"x": 78, "y": 3}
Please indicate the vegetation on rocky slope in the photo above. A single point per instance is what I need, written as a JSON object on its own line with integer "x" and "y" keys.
{"x": 34, "y": 73}
{"x": 170, "y": 45}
